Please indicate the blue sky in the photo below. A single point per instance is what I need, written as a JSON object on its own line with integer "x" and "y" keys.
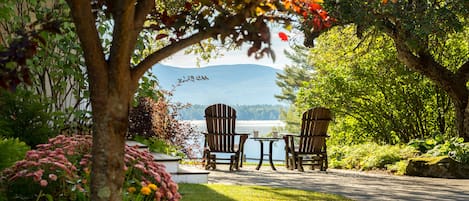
{"x": 237, "y": 56}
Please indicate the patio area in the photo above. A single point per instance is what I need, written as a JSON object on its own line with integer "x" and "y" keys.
{"x": 351, "y": 184}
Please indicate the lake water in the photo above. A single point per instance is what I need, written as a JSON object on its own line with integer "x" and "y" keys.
{"x": 251, "y": 147}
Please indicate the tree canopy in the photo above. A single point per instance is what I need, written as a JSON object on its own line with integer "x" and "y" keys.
{"x": 423, "y": 33}
{"x": 374, "y": 97}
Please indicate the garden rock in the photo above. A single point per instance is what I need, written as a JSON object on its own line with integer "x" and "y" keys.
{"x": 441, "y": 167}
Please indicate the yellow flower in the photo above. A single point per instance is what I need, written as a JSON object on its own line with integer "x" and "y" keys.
{"x": 259, "y": 11}
{"x": 131, "y": 189}
{"x": 145, "y": 190}
{"x": 152, "y": 187}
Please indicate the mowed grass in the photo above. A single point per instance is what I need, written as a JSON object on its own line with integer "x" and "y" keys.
{"x": 222, "y": 192}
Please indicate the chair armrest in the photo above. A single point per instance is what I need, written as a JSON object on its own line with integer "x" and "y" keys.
{"x": 289, "y": 142}
{"x": 242, "y": 139}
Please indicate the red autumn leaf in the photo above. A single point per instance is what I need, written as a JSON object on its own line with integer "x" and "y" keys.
{"x": 327, "y": 23}
{"x": 323, "y": 14}
{"x": 317, "y": 24}
{"x": 283, "y": 36}
{"x": 315, "y": 7}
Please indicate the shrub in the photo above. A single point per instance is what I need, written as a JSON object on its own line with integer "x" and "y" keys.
{"x": 158, "y": 119}
{"x": 455, "y": 148}
{"x": 60, "y": 169}
{"x": 11, "y": 150}
{"x": 424, "y": 145}
{"x": 368, "y": 156}
{"x": 398, "y": 168}
{"x": 24, "y": 116}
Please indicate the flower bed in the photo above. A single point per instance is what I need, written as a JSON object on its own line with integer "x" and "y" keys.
{"x": 61, "y": 168}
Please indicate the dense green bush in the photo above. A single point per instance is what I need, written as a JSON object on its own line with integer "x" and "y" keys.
{"x": 455, "y": 148}
{"x": 368, "y": 156}
{"x": 11, "y": 150}
{"x": 24, "y": 116}
{"x": 61, "y": 170}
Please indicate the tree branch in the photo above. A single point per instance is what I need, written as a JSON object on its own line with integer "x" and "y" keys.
{"x": 142, "y": 9}
{"x": 121, "y": 48}
{"x": 167, "y": 51}
{"x": 89, "y": 39}
{"x": 425, "y": 64}
{"x": 171, "y": 49}
{"x": 463, "y": 71}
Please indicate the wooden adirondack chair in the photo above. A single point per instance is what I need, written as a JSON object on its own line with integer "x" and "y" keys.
{"x": 220, "y": 137}
{"x": 310, "y": 145}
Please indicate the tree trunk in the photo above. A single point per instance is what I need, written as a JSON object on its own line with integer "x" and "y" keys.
{"x": 462, "y": 121}
{"x": 110, "y": 125}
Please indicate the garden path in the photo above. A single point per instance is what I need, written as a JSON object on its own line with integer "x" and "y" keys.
{"x": 351, "y": 184}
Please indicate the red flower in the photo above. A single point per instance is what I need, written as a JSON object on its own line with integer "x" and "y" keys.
{"x": 283, "y": 36}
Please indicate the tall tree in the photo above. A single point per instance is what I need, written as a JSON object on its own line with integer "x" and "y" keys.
{"x": 293, "y": 76}
{"x": 423, "y": 33}
{"x": 113, "y": 77}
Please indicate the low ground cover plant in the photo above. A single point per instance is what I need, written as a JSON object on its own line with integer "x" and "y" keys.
{"x": 369, "y": 156}
{"x": 454, "y": 148}
{"x": 394, "y": 158}
{"x": 61, "y": 168}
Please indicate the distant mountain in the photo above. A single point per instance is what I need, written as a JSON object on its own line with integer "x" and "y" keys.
{"x": 240, "y": 84}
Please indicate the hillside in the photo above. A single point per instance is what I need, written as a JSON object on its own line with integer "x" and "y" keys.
{"x": 241, "y": 84}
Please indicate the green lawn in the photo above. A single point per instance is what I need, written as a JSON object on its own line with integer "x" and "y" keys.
{"x": 220, "y": 192}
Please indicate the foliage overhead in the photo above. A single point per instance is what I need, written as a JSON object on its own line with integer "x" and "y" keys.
{"x": 416, "y": 22}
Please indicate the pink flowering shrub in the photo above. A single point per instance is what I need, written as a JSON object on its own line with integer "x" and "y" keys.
{"x": 61, "y": 169}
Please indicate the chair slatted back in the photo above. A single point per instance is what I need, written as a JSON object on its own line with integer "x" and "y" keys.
{"x": 313, "y": 133}
{"x": 220, "y": 119}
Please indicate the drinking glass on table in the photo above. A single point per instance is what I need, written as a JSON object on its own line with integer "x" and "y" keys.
{"x": 275, "y": 134}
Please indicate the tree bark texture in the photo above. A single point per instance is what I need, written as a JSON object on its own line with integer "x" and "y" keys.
{"x": 110, "y": 87}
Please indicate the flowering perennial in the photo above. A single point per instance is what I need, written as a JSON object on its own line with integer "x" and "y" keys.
{"x": 61, "y": 169}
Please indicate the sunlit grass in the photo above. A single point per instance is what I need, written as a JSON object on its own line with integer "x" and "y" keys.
{"x": 221, "y": 192}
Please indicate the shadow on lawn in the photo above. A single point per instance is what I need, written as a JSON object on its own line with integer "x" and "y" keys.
{"x": 227, "y": 192}
{"x": 198, "y": 192}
